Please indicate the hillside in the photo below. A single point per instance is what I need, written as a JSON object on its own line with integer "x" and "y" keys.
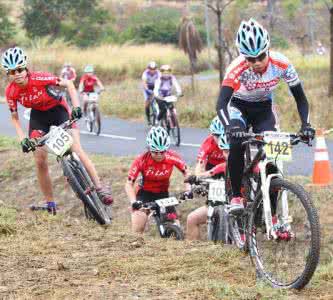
{"x": 67, "y": 257}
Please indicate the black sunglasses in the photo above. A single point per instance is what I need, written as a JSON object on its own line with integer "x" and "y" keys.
{"x": 13, "y": 72}
{"x": 261, "y": 57}
{"x": 158, "y": 152}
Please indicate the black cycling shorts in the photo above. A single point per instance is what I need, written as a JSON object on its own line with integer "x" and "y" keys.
{"x": 43, "y": 120}
{"x": 259, "y": 115}
{"x": 146, "y": 196}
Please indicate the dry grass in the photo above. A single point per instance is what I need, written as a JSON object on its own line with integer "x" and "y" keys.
{"x": 67, "y": 257}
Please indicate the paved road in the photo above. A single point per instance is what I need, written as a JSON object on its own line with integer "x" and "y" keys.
{"x": 122, "y": 138}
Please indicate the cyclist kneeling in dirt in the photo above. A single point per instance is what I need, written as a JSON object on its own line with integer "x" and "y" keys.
{"x": 211, "y": 162}
{"x": 88, "y": 82}
{"x": 163, "y": 88}
{"x": 39, "y": 91}
{"x": 155, "y": 166}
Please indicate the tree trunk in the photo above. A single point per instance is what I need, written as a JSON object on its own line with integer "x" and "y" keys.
{"x": 330, "y": 86}
{"x": 219, "y": 45}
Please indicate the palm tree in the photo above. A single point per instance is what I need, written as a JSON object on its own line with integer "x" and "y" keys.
{"x": 190, "y": 42}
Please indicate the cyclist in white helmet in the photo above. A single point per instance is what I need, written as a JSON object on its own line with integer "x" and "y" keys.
{"x": 149, "y": 77}
{"x": 163, "y": 88}
{"x": 211, "y": 162}
{"x": 68, "y": 72}
{"x": 39, "y": 91}
{"x": 246, "y": 97}
{"x": 155, "y": 166}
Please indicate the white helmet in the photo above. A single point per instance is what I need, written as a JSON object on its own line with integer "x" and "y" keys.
{"x": 14, "y": 58}
{"x": 152, "y": 65}
{"x": 158, "y": 139}
{"x": 252, "y": 38}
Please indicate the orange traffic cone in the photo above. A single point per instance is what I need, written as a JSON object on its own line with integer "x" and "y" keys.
{"x": 322, "y": 174}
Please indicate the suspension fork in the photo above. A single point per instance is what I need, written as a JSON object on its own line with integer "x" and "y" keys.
{"x": 265, "y": 187}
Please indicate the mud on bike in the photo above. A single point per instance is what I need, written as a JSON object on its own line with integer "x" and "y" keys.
{"x": 58, "y": 142}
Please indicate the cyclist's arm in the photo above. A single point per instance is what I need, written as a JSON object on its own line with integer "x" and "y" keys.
{"x": 157, "y": 88}
{"x": 302, "y": 102}
{"x": 71, "y": 91}
{"x": 17, "y": 124}
{"x": 222, "y": 104}
{"x": 176, "y": 85}
{"x": 74, "y": 75}
{"x": 100, "y": 85}
{"x": 144, "y": 81}
{"x": 130, "y": 191}
{"x": 81, "y": 86}
{"x": 200, "y": 168}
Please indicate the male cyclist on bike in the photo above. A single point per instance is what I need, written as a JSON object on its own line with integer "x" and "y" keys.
{"x": 211, "y": 162}
{"x": 155, "y": 166}
{"x": 149, "y": 76}
{"x": 245, "y": 97}
{"x": 163, "y": 88}
{"x": 88, "y": 83}
{"x": 39, "y": 91}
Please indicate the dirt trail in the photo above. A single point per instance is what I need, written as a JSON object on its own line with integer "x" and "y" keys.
{"x": 67, "y": 257}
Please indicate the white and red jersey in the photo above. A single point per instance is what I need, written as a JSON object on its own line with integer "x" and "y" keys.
{"x": 39, "y": 93}
{"x": 68, "y": 73}
{"x": 155, "y": 175}
{"x": 256, "y": 87}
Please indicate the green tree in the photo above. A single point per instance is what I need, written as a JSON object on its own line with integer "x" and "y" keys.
{"x": 80, "y": 22}
{"x": 7, "y": 28}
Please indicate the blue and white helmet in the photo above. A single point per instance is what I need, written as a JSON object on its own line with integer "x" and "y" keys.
{"x": 89, "y": 69}
{"x": 223, "y": 143}
{"x": 252, "y": 38}
{"x": 14, "y": 58}
{"x": 158, "y": 139}
{"x": 216, "y": 127}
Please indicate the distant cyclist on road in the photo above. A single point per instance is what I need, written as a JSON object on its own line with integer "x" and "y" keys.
{"x": 155, "y": 166}
{"x": 211, "y": 162}
{"x": 246, "y": 97}
{"x": 68, "y": 72}
{"x": 38, "y": 90}
{"x": 149, "y": 77}
{"x": 163, "y": 88}
{"x": 88, "y": 83}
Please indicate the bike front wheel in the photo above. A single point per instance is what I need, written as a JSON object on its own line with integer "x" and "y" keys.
{"x": 97, "y": 121}
{"x": 172, "y": 231}
{"x": 173, "y": 128}
{"x": 83, "y": 187}
{"x": 290, "y": 259}
{"x": 217, "y": 229}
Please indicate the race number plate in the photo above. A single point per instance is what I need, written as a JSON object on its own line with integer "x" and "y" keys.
{"x": 93, "y": 97}
{"x": 59, "y": 142}
{"x": 217, "y": 191}
{"x": 278, "y": 145}
{"x": 172, "y": 201}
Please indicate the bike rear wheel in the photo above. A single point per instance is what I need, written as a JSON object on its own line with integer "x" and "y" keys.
{"x": 290, "y": 260}
{"x": 173, "y": 231}
{"x": 83, "y": 187}
{"x": 154, "y": 112}
{"x": 173, "y": 128}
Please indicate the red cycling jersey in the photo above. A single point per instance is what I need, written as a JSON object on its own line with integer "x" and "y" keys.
{"x": 88, "y": 82}
{"x": 210, "y": 153}
{"x": 155, "y": 175}
{"x": 38, "y": 94}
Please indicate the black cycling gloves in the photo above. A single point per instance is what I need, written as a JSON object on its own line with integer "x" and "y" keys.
{"x": 27, "y": 145}
{"x": 76, "y": 113}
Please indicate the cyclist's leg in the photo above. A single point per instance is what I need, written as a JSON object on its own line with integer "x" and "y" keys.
{"x": 193, "y": 222}
{"x": 236, "y": 154}
{"x": 38, "y": 125}
{"x": 147, "y": 97}
{"x": 140, "y": 218}
{"x": 85, "y": 103}
{"x": 163, "y": 108}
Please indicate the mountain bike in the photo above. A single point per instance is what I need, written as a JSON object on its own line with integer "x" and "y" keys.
{"x": 58, "y": 142}
{"x": 220, "y": 225}
{"x": 164, "y": 220}
{"x": 279, "y": 227}
{"x": 170, "y": 120}
{"x": 93, "y": 117}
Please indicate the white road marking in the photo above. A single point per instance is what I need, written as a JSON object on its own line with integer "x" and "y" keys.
{"x": 112, "y": 136}
{"x": 190, "y": 145}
